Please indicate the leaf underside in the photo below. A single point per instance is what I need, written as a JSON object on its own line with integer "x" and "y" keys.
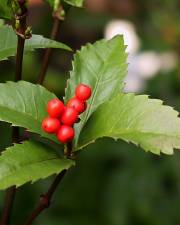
{"x": 29, "y": 162}
{"x": 137, "y": 119}
{"x": 24, "y": 104}
{"x": 103, "y": 67}
{"x": 8, "y": 43}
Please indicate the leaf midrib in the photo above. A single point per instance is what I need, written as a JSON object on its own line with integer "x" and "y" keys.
{"x": 20, "y": 112}
{"x": 93, "y": 97}
{"x": 142, "y": 132}
{"x": 28, "y": 46}
{"x": 28, "y": 165}
{"x": 88, "y": 111}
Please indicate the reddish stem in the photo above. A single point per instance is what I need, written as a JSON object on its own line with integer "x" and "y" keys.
{"x": 10, "y": 192}
{"x": 45, "y": 199}
{"x": 19, "y": 58}
{"x": 9, "y": 200}
{"x": 48, "y": 51}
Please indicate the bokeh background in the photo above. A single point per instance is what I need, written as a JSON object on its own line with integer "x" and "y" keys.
{"x": 114, "y": 183}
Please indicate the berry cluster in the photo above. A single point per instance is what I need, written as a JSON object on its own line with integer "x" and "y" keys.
{"x": 62, "y": 118}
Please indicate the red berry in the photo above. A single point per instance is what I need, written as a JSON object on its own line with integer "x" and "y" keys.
{"x": 77, "y": 104}
{"x": 83, "y": 92}
{"x": 65, "y": 134}
{"x": 50, "y": 125}
{"x": 69, "y": 116}
{"x": 55, "y": 107}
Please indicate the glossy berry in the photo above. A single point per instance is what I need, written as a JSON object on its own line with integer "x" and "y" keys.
{"x": 50, "y": 125}
{"x": 69, "y": 116}
{"x": 77, "y": 104}
{"x": 83, "y": 92}
{"x": 65, "y": 134}
{"x": 55, "y": 108}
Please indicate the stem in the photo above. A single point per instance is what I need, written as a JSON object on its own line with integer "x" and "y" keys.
{"x": 19, "y": 58}
{"x": 45, "y": 199}
{"x": 10, "y": 192}
{"x": 48, "y": 51}
{"x": 8, "y": 203}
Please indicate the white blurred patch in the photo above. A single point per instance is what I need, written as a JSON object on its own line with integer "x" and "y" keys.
{"x": 142, "y": 65}
{"x": 127, "y": 29}
{"x": 147, "y": 64}
{"x": 133, "y": 83}
{"x": 169, "y": 61}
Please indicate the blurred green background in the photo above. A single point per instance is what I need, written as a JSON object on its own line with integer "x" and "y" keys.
{"x": 114, "y": 183}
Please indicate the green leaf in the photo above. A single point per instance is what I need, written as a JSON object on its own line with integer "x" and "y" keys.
{"x": 5, "y": 11}
{"x": 103, "y": 67}
{"x": 76, "y": 3}
{"x": 138, "y": 119}
{"x": 29, "y": 162}
{"x": 24, "y": 104}
{"x": 8, "y": 43}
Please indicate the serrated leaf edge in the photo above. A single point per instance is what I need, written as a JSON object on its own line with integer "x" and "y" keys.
{"x": 9, "y": 149}
{"x": 17, "y": 125}
{"x": 160, "y": 103}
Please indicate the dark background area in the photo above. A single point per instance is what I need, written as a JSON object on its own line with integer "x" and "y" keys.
{"x": 114, "y": 183}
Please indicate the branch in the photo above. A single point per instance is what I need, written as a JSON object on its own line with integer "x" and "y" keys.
{"x": 21, "y": 34}
{"x": 48, "y": 52}
{"x": 10, "y": 192}
{"x": 45, "y": 199}
{"x": 8, "y": 203}
{"x": 19, "y": 58}
{"x": 20, "y": 31}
